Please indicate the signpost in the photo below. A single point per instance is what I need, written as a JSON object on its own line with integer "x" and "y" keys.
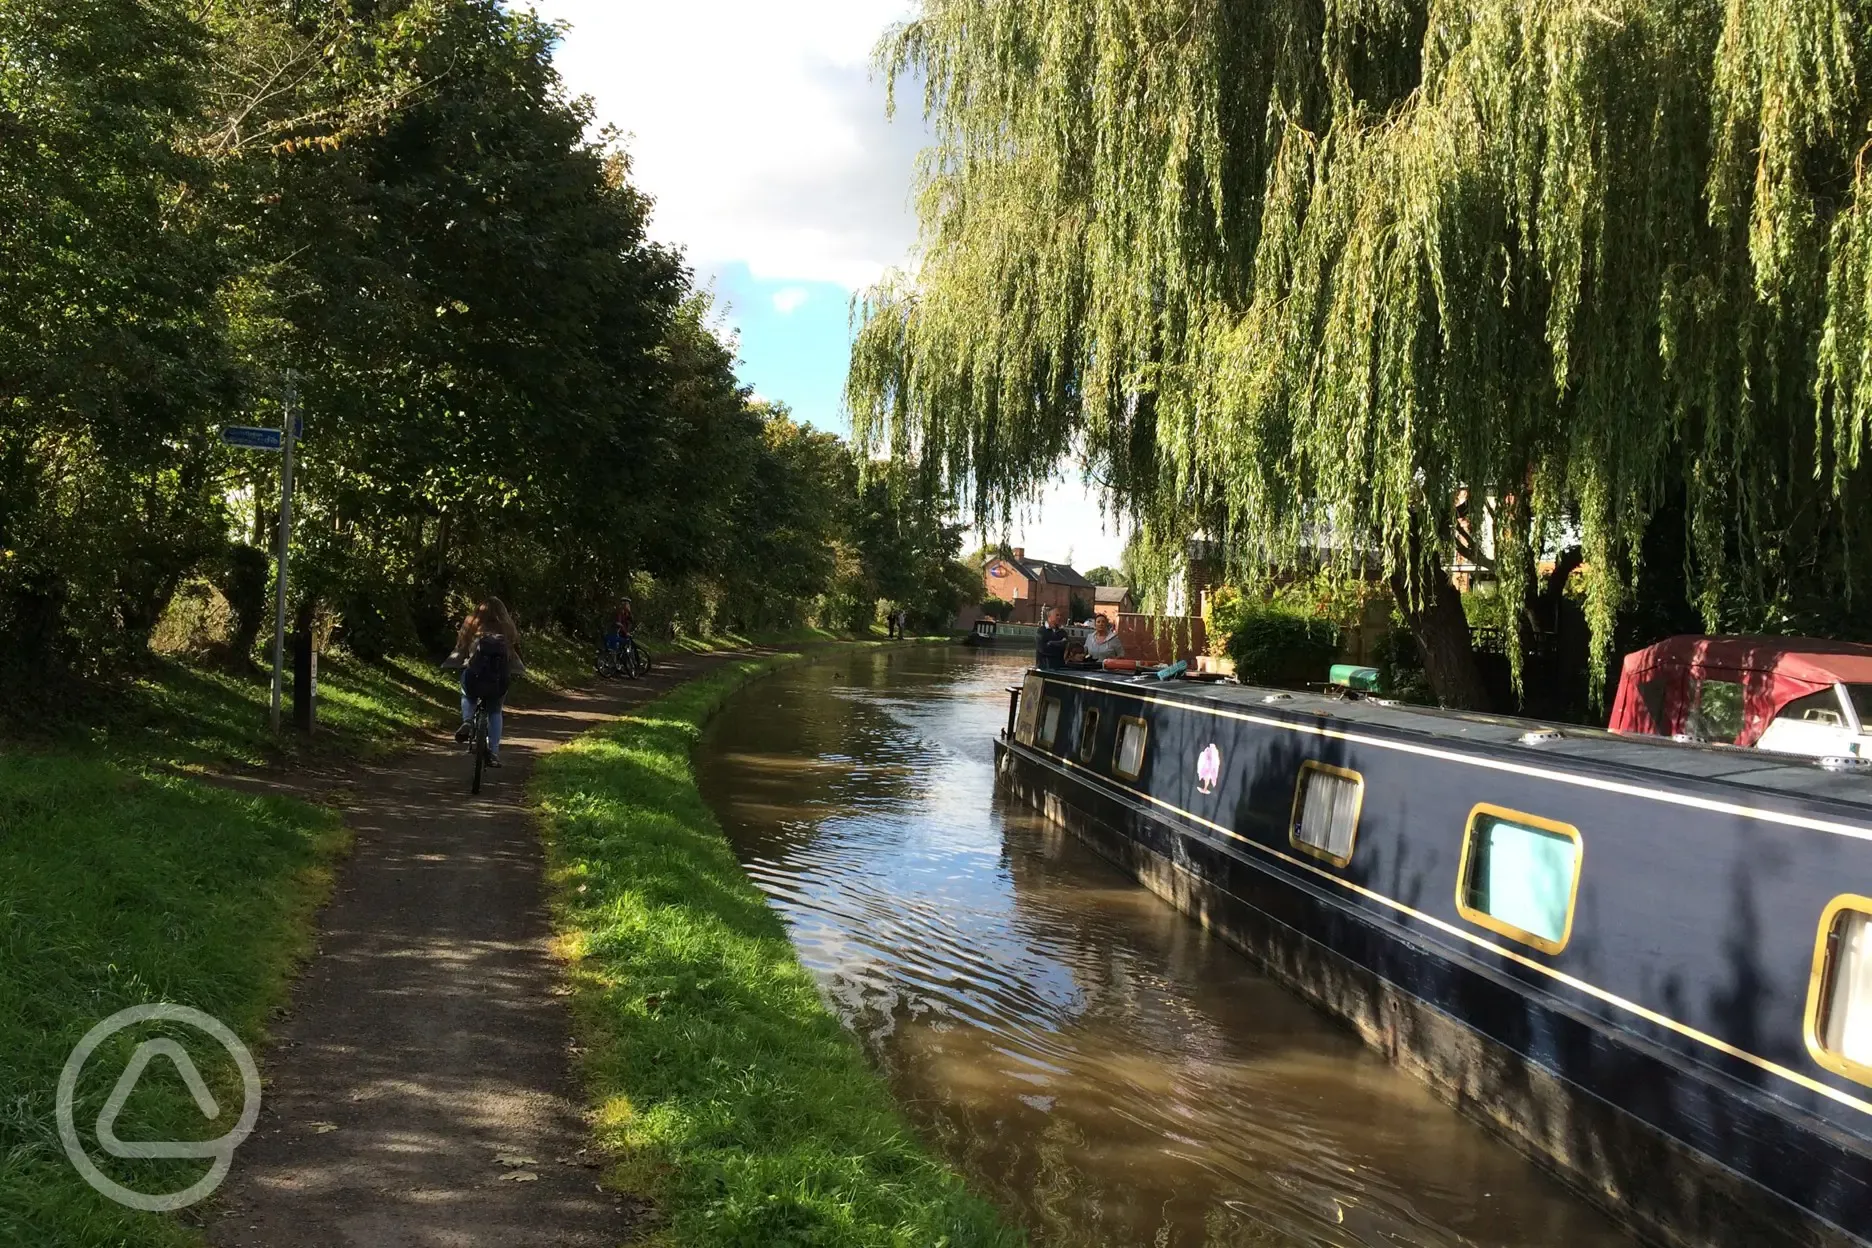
{"x": 287, "y": 434}
{"x": 253, "y": 438}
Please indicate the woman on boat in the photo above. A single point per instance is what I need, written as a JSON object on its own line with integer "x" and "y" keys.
{"x": 1103, "y": 643}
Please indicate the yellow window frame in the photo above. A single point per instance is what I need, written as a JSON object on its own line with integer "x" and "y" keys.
{"x": 1358, "y": 811}
{"x": 1820, "y": 985}
{"x": 1088, "y": 733}
{"x": 1118, "y": 740}
{"x": 1042, "y": 737}
{"x": 1482, "y": 918}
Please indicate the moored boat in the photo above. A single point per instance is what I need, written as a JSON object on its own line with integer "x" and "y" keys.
{"x": 1647, "y": 963}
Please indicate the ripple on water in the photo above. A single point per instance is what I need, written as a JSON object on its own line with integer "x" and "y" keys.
{"x": 1093, "y": 1060}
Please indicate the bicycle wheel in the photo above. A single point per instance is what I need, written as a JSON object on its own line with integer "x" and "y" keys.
{"x": 640, "y": 662}
{"x": 477, "y": 745}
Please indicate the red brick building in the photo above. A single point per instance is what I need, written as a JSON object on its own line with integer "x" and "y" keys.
{"x": 1034, "y": 585}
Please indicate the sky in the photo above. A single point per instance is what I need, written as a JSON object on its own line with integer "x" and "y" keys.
{"x": 760, "y": 131}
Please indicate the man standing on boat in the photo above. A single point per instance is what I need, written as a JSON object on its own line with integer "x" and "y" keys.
{"x": 1050, "y": 645}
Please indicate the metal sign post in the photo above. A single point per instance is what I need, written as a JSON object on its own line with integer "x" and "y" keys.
{"x": 289, "y": 430}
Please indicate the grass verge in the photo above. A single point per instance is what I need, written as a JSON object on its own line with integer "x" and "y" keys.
{"x": 729, "y": 1093}
{"x": 122, "y": 888}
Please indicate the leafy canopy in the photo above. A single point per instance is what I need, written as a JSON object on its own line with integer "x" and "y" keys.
{"x": 1315, "y": 278}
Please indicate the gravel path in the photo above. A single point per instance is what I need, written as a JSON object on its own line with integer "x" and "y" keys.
{"x": 420, "y": 1094}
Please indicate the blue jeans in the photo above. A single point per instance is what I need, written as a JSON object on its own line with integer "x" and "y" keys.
{"x": 494, "y": 718}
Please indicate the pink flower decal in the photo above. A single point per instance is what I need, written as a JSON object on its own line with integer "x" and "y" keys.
{"x": 1208, "y": 769}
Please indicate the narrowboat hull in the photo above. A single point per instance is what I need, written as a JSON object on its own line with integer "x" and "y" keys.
{"x": 1682, "y": 1128}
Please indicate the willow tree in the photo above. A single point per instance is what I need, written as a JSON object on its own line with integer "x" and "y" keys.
{"x": 1364, "y": 270}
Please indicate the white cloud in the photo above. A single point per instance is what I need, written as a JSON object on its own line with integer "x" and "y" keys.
{"x": 787, "y": 299}
{"x": 757, "y": 127}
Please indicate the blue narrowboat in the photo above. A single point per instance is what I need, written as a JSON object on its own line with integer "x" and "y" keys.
{"x": 1646, "y": 963}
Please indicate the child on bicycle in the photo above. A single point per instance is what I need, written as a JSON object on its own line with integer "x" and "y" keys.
{"x": 487, "y": 653}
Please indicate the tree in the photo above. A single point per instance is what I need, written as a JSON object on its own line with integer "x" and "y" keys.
{"x": 1335, "y": 283}
{"x": 1103, "y": 575}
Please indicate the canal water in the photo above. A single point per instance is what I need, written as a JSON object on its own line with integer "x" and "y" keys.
{"x": 1091, "y": 1059}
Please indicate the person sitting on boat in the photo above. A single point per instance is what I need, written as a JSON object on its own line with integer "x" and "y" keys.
{"x": 1050, "y": 644}
{"x": 1103, "y": 643}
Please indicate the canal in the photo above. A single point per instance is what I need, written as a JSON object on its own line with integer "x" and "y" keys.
{"x": 1091, "y": 1059}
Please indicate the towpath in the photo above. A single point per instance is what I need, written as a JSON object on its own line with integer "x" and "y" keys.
{"x": 420, "y": 1092}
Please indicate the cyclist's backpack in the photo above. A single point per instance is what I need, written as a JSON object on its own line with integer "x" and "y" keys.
{"x": 484, "y": 676}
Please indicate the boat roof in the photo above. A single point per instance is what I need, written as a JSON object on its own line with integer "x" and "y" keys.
{"x": 1762, "y": 770}
{"x": 1812, "y": 659}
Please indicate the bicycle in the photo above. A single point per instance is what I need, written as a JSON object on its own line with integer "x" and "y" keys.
{"x": 478, "y": 744}
{"x": 627, "y": 659}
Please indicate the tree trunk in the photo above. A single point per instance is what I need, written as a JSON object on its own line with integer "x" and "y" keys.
{"x": 1436, "y": 620}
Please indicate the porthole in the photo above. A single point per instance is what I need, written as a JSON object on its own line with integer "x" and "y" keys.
{"x": 1839, "y": 998}
{"x": 1326, "y": 806}
{"x": 1049, "y": 722}
{"x": 1519, "y": 876}
{"x": 1128, "y": 751}
{"x": 1088, "y": 733}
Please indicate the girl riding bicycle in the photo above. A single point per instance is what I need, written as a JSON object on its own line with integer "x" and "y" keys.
{"x": 487, "y": 653}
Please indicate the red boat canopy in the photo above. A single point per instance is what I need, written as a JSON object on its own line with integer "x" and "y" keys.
{"x": 1662, "y": 686}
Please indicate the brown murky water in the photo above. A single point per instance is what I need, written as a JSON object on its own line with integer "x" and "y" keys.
{"x": 1092, "y": 1060}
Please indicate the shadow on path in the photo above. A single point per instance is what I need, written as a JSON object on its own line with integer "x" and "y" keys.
{"x": 427, "y": 1040}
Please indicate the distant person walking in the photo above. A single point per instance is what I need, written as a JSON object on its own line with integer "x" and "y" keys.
{"x": 890, "y": 623}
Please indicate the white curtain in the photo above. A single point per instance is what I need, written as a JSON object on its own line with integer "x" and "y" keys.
{"x": 1328, "y": 812}
{"x": 1849, "y": 1011}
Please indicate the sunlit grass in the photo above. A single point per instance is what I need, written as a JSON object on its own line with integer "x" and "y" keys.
{"x": 726, "y": 1090}
{"x": 121, "y": 888}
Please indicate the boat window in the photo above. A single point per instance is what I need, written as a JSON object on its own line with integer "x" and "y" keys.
{"x": 1049, "y": 722}
{"x": 1861, "y": 696}
{"x": 1717, "y": 715}
{"x": 1519, "y": 876}
{"x": 1088, "y": 733}
{"x": 1839, "y": 1007}
{"x": 1326, "y": 811}
{"x": 1128, "y": 755}
{"x": 1815, "y": 708}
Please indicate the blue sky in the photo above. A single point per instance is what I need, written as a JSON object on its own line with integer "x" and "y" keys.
{"x": 795, "y": 337}
{"x": 760, "y": 131}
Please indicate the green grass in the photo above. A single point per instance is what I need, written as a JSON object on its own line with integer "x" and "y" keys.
{"x": 725, "y": 1089}
{"x": 197, "y": 716}
{"x": 121, "y": 888}
{"x": 125, "y": 880}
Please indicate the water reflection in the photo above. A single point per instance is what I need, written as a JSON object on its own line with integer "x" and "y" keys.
{"x": 1089, "y": 1057}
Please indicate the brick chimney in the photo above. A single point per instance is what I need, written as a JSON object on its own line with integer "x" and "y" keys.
{"x": 1020, "y": 552}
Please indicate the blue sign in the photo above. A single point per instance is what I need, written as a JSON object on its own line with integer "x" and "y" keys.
{"x": 252, "y": 438}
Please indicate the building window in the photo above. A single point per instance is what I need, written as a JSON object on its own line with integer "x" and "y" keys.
{"x": 1088, "y": 734}
{"x": 1326, "y": 806}
{"x": 1519, "y": 876}
{"x": 1049, "y": 722}
{"x": 1128, "y": 754}
{"x": 1839, "y": 1002}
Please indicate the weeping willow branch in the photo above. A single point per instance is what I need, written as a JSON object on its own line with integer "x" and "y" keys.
{"x": 1288, "y": 263}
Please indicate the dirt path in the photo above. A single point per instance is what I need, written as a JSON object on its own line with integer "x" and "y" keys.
{"x": 420, "y": 1093}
